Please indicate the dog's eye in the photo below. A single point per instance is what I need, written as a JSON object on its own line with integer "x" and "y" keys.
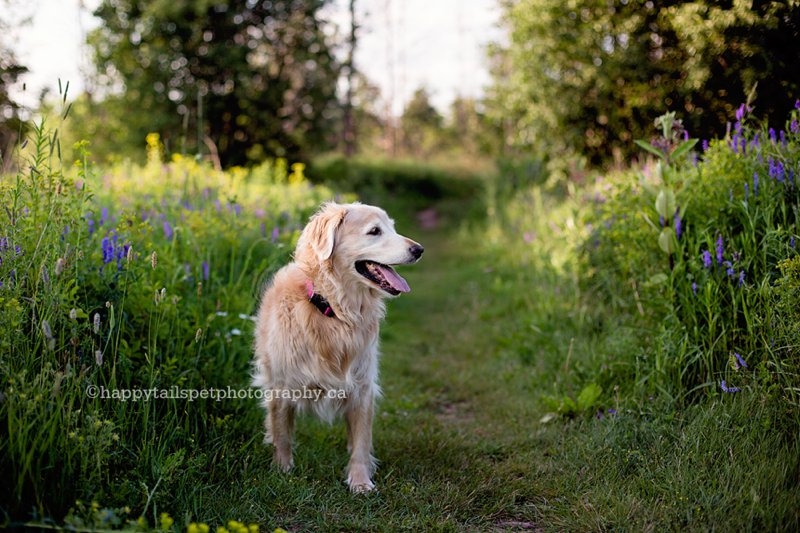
{"x": 375, "y": 231}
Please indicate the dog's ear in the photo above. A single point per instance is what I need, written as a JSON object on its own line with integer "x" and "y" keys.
{"x": 320, "y": 233}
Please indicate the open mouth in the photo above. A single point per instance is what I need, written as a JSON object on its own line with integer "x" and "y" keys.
{"x": 383, "y": 276}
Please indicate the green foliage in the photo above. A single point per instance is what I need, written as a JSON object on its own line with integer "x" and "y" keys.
{"x": 245, "y": 80}
{"x": 419, "y": 183}
{"x": 140, "y": 277}
{"x": 730, "y": 221}
{"x": 586, "y": 76}
{"x": 10, "y": 70}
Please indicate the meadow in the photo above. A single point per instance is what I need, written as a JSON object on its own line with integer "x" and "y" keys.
{"x": 618, "y": 353}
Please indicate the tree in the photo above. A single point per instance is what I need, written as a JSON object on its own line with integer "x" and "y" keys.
{"x": 590, "y": 76}
{"x": 421, "y": 124}
{"x": 469, "y": 130}
{"x": 247, "y": 79}
{"x": 10, "y": 70}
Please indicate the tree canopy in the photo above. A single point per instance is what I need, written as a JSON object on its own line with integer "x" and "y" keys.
{"x": 10, "y": 71}
{"x": 243, "y": 78}
{"x": 590, "y": 76}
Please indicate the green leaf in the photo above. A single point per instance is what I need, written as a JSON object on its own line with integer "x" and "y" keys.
{"x": 647, "y": 219}
{"x": 683, "y": 149}
{"x": 568, "y": 406}
{"x": 665, "y": 203}
{"x": 666, "y": 240}
{"x": 589, "y": 396}
{"x": 644, "y": 145}
{"x": 657, "y": 279}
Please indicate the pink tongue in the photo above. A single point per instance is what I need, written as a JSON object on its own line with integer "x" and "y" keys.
{"x": 394, "y": 279}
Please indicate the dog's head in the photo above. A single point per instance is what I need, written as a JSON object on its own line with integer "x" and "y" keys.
{"x": 360, "y": 241}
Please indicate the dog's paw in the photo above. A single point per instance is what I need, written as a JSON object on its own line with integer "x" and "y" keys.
{"x": 283, "y": 464}
{"x": 358, "y": 480}
{"x": 362, "y": 488}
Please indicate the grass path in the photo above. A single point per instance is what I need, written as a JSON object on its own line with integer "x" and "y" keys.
{"x": 453, "y": 449}
{"x": 461, "y": 447}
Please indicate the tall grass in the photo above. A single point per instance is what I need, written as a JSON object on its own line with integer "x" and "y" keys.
{"x": 130, "y": 277}
{"x": 679, "y": 279}
{"x": 705, "y": 249}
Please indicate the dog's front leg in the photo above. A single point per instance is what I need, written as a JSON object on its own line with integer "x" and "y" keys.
{"x": 281, "y": 413}
{"x": 359, "y": 436}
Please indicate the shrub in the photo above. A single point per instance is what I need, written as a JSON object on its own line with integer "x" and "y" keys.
{"x": 134, "y": 277}
{"x": 694, "y": 248}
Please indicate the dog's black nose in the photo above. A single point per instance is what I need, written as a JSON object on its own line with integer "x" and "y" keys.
{"x": 416, "y": 251}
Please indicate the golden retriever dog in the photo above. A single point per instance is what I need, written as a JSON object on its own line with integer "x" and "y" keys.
{"x": 316, "y": 337}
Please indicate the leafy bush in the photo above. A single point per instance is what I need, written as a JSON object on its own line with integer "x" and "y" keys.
{"x": 694, "y": 247}
{"x": 135, "y": 277}
{"x": 374, "y": 178}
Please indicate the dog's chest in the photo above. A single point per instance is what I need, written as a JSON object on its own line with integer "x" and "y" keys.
{"x": 344, "y": 345}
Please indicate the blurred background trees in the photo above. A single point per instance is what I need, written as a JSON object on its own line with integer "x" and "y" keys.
{"x": 242, "y": 80}
{"x": 589, "y": 76}
{"x": 574, "y": 82}
{"x": 10, "y": 70}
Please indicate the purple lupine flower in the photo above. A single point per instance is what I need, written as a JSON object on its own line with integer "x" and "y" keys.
{"x": 725, "y": 388}
{"x": 794, "y": 127}
{"x": 187, "y": 269}
{"x": 694, "y": 288}
{"x": 729, "y": 269}
{"x": 740, "y": 360}
{"x": 705, "y": 145}
{"x": 772, "y": 136}
{"x": 734, "y": 144}
{"x": 612, "y": 411}
{"x": 783, "y": 138}
{"x": 237, "y": 209}
{"x": 678, "y": 224}
{"x": 90, "y": 224}
{"x": 706, "y": 259}
{"x": 108, "y": 250}
{"x": 205, "y": 270}
{"x": 720, "y": 250}
{"x": 791, "y": 242}
{"x": 741, "y": 278}
{"x": 661, "y": 220}
{"x": 275, "y": 234}
{"x": 746, "y": 192}
{"x": 685, "y": 135}
{"x": 755, "y": 184}
{"x": 263, "y": 229}
{"x": 103, "y": 216}
{"x": 741, "y": 112}
{"x": 730, "y": 195}
{"x": 167, "y": 230}
{"x": 797, "y": 104}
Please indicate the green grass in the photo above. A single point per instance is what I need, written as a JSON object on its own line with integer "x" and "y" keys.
{"x": 499, "y": 372}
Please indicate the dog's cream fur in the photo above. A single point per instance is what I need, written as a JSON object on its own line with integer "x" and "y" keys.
{"x": 297, "y": 347}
